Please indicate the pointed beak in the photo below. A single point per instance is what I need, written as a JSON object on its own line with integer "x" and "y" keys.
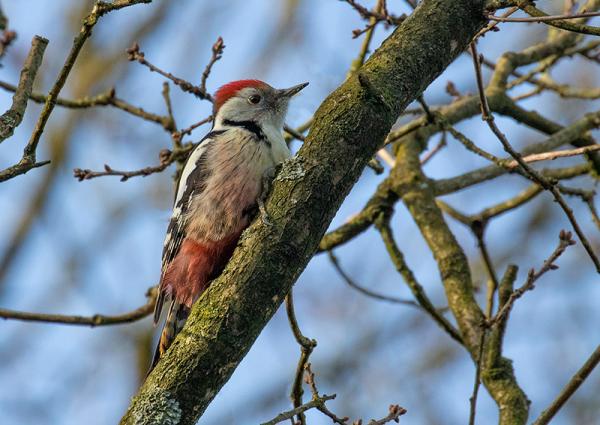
{"x": 292, "y": 90}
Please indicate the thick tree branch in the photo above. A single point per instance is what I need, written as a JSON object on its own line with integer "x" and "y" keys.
{"x": 418, "y": 196}
{"x": 349, "y": 127}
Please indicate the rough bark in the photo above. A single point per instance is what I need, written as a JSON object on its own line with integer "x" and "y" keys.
{"x": 348, "y": 128}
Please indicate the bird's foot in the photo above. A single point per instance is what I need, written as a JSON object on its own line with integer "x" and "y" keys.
{"x": 264, "y": 215}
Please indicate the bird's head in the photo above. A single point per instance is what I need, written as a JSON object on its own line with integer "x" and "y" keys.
{"x": 253, "y": 100}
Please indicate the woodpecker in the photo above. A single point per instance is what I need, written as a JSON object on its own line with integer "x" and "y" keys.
{"x": 223, "y": 183}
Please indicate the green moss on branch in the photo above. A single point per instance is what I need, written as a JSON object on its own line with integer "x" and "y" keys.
{"x": 349, "y": 127}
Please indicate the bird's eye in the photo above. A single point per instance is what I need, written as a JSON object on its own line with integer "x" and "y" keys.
{"x": 254, "y": 99}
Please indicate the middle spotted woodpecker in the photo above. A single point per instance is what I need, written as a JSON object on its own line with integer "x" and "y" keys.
{"x": 221, "y": 186}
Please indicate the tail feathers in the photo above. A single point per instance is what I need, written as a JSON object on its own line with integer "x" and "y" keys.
{"x": 178, "y": 314}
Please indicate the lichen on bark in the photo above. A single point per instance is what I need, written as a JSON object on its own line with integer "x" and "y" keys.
{"x": 349, "y": 127}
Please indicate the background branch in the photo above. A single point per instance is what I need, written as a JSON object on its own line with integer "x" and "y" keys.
{"x": 13, "y": 117}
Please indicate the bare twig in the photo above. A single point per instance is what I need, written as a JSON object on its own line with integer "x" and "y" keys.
{"x": 530, "y": 172}
{"x": 135, "y": 54}
{"x": 570, "y": 388}
{"x": 336, "y": 264}
{"x": 310, "y": 380}
{"x": 28, "y": 161}
{"x": 565, "y": 240}
{"x": 294, "y": 133}
{"x": 553, "y": 155}
{"x": 574, "y": 24}
{"x": 92, "y": 321}
{"x": 478, "y": 228}
{"x": 493, "y": 26}
{"x": 394, "y": 415}
{"x": 178, "y": 135}
{"x": 166, "y": 157}
{"x": 314, "y": 403}
{"x": 546, "y": 18}
{"x": 378, "y": 14}
{"x": 366, "y": 43}
{"x": 440, "y": 145}
{"x": 217, "y": 53}
{"x": 171, "y": 125}
{"x": 13, "y": 117}
{"x": 395, "y": 411}
{"x": 299, "y": 130}
{"x": 108, "y": 98}
{"x": 307, "y": 346}
{"x": 477, "y": 382}
{"x": 386, "y": 157}
{"x": 383, "y": 225}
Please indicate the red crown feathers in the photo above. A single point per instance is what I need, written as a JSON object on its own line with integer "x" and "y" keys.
{"x": 229, "y": 90}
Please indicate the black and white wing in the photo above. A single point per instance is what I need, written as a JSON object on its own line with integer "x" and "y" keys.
{"x": 192, "y": 182}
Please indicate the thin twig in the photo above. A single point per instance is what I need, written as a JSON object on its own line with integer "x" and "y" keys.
{"x": 530, "y": 172}
{"x": 478, "y": 228}
{"x": 135, "y": 54}
{"x": 546, "y": 18}
{"x": 166, "y": 158}
{"x": 366, "y": 43}
{"x": 565, "y": 240}
{"x": 572, "y": 386}
{"x": 294, "y": 133}
{"x": 166, "y": 93}
{"x": 314, "y": 403}
{"x": 28, "y": 160}
{"x": 380, "y": 16}
{"x": 493, "y": 26}
{"x": 178, "y": 135}
{"x": 383, "y": 226}
{"x": 336, "y": 264}
{"x": 310, "y": 380}
{"x": 394, "y": 414}
{"x": 99, "y": 9}
{"x": 441, "y": 144}
{"x": 300, "y": 130}
{"x": 108, "y": 98}
{"x": 477, "y": 381}
{"x": 546, "y": 156}
{"x": 92, "y": 321}
{"x": 307, "y": 346}
{"x": 217, "y": 53}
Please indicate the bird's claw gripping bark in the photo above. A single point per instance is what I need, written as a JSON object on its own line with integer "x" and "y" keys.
{"x": 264, "y": 215}
{"x": 267, "y": 180}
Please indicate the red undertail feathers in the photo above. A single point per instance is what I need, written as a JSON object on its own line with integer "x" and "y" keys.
{"x": 185, "y": 279}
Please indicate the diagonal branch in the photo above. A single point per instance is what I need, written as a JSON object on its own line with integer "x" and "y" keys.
{"x": 348, "y": 128}
{"x": 570, "y": 388}
{"x": 534, "y": 175}
{"x": 13, "y": 117}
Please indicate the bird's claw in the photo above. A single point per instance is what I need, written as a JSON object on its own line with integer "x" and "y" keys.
{"x": 264, "y": 215}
